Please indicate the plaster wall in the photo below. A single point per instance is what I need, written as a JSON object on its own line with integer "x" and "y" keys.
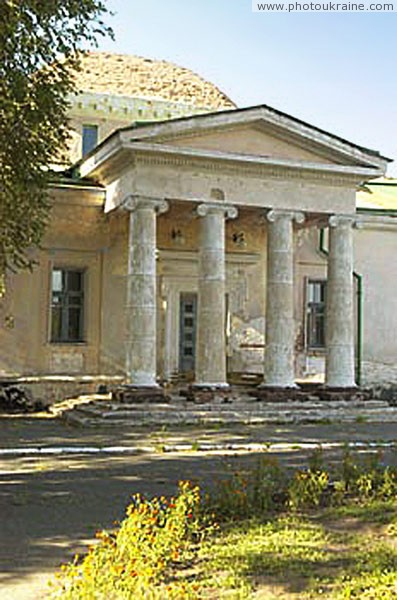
{"x": 110, "y": 112}
{"x": 177, "y": 272}
{"x": 309, "y": 264}
{"x": 74, "y": 239}
{"x": 81, "y": 236}
{"x": 375, "y": 252}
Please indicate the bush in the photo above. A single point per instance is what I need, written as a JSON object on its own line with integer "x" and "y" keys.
{"x": 141, "y": 558}
{"x": 366, "y": 479}
{"x": 132, "y": 561}
{"x": 308, "y": 489}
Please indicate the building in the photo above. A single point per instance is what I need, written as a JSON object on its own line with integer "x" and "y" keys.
{"x": 188, "y": 232}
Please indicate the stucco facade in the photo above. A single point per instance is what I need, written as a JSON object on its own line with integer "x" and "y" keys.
{"x": 197, "y": 238}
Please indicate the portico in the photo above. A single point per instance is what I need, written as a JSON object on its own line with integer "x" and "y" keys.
{"x": 289, "y": 176}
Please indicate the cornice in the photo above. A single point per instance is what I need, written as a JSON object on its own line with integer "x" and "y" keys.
{"x": 383, "y": 223}
{"x": 284, "y": 123}
{"x": 252, "y": 166}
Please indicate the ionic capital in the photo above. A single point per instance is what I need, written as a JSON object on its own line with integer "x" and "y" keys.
{"x": 274, "y": 215}
{"x": 135, "y": 202}
{"x": 343, "y": 221}
{"x": 229, "y": 211}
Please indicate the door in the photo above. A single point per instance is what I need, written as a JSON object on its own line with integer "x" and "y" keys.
{"x": 187, "y": 332}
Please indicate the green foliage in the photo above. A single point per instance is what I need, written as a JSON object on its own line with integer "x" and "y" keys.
{"x": 39, "y": 43}
{"x": 308, "y": 489}
{"x": 132, "y": 561}
{"x": 270, "y": 487}
{"x": 169, "y": 549}
{"x": 366, "y": 478}
{"x": 246, "y": 494}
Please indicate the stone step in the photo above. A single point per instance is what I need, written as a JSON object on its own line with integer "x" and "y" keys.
{"x": 101, "y": 408}
{"x": 108, "y": 413}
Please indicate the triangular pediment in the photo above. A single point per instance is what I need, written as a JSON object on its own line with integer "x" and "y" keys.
{"x": 253, "y": 142}
{"x": 257, "y": 131}
{"x": 259, "y": 136}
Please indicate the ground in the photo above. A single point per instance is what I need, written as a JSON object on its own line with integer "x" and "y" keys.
{"x": 51, "y": 504}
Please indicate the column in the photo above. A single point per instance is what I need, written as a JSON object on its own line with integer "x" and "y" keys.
{"x": 211, "y": 340}
{"x": 339, "y": 371}
{"x": 280, "y": 325}
{"x": 141, "y": 343}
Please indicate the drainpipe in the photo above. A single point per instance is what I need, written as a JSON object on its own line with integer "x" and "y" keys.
{"x": 359, "y": 283}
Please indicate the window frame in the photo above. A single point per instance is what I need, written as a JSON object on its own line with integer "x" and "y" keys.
{"x": 65, "y": 305}
{"x": 311, "y": 312}
{"x": 84, "y": 128}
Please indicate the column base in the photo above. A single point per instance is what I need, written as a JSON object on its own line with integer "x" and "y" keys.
{"x": 272, "y": 393}
{"x": 275, "y": 386}
{"x": 203, "y": 393}
{"x": 329, "y": 393}
{"x": 130, "y": 393}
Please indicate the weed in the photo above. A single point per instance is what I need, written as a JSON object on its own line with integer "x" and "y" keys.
{"x": 361, "y": 419}
{"x": 134, "y": 558}
{"x": 308, "y": 488}
{"x": 171, "y": 549}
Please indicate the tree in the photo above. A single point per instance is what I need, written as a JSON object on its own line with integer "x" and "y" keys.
{"x": 40, "y": 42}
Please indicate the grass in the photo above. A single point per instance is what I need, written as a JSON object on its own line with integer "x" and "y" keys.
{"x": 324, "y": 553}
{"x": 285, "y": 535}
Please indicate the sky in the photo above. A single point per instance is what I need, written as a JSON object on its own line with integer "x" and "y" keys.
{"x": 336, "y": 71}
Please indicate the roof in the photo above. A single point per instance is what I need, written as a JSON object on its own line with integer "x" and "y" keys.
{"x": 268, "y": 109}
{"x": 124, "y": 75}
{"x": 380, "y": 194}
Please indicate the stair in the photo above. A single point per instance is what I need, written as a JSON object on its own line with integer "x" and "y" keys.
{"x": 242, "y": 409}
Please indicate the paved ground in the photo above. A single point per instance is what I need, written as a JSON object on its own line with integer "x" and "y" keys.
{"x": 51, "y": 504}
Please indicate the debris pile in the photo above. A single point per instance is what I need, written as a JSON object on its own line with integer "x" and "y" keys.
{"x": 16, "y": 399}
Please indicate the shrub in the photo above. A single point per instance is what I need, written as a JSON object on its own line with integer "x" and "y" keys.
{"x": 132, "y": 560}
{"x": 307, "y": 489}
{"x": 366, "y": 479}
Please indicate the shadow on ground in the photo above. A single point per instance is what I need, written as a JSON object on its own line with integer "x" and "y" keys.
{"x": 50, "y": 506}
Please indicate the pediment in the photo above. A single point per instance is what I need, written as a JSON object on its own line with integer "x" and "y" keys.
{"x": 256, "y": 131}
{"x": 254, "y": 141}
{"x": 257, "y": 135}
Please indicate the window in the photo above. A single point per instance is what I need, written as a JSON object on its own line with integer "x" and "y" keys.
{"x": 90, "y": 138}
{"x": 315, "y": 313}
{"x": 67, "y": 305}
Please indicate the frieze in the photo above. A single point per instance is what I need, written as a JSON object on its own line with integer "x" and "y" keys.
{"x": 284, "y": 172}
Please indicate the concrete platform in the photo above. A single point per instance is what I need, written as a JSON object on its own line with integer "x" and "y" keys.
{"x": 236, "y": 408}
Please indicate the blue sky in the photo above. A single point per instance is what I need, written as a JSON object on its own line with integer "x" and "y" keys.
{"x": 336, "y": 71}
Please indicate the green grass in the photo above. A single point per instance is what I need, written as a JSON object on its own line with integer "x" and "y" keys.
{"x": 282, "y": 534}
{"x": 329, "y": 553}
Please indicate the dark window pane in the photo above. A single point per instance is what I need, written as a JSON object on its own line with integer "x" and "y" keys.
{"x": 90, "y": 138}
{"x": 67, "y": 305}
{"x": 56, "y": 320}
{"x": 74, "y": 281}
{"x": 74, "y": 324}
{"x": 316, "y": 314}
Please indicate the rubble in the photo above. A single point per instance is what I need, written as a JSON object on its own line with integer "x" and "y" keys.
{"x": 17, "y": 399}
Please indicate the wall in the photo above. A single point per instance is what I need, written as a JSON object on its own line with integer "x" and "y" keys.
{"x": 110, "y": 112}
{"x": 375, "y": 259}
{"x": 75, "y": 238}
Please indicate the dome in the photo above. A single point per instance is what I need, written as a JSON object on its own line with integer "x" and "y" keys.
{"x": 134, "y": 76}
